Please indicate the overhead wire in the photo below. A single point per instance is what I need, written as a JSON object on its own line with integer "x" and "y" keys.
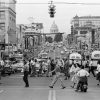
{"x": 78, "y": 3}
{"x": 69, "y": 3}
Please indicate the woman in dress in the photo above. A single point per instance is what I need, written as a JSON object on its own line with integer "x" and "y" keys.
{"x": 74, "y": 79}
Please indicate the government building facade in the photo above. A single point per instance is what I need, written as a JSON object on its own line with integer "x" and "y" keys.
{"x": 85, "y": 31}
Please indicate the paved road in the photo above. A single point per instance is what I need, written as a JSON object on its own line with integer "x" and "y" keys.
{"x": 12, "y": 88}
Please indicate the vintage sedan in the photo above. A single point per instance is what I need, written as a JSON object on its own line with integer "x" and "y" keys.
{"x": 18, "y": 66}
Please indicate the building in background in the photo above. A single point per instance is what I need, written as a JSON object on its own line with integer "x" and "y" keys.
{"x": 33, "y": 38}
{"x": 20, "y": 30}
{"x": 8, "y": 20}
{"x": 54, "y": 30}
{"x": 85, "y": 28}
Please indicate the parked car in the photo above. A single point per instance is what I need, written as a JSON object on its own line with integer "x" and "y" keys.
{"x": 7, "y": 69}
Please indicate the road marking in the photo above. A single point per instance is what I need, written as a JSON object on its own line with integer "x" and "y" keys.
{"x": 1, "y": 91}
{"x": 15, "y": 77}
{"x": 18, "y": 76}
{"x": 54, "y": 95}
{"x": 50, "y": 95}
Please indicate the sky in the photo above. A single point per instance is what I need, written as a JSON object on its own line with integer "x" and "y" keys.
{"x": 63, "y": 16}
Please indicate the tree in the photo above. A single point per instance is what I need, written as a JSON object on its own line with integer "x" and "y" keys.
{"x": 49, "y": 39}
{"x": 58, "y": 37}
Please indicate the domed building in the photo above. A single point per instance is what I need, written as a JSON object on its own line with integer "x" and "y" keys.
{"x": 54, "y": 30}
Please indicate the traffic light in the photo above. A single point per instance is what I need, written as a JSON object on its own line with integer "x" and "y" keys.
{"x": 52, "y": 10}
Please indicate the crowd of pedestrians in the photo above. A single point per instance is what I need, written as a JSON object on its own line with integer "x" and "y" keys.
{"x": 57, "y": 68}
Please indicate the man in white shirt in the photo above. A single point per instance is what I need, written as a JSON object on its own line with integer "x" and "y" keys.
{"x": 33, "y": 67}
{"x": 2, "y": 63}
{"x": 82, "y": 74}
{"x": 92, "y": 67}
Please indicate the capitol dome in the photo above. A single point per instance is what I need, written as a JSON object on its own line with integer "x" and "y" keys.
{"x": 54, "y": 28}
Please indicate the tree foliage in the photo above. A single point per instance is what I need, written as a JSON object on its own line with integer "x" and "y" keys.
{"x": 58, "y": 37}
{"x": 49, "y": 39}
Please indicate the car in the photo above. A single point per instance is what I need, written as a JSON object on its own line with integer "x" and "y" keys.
{"x": 18, "y": 66}
{"x": 19, "y": 69}
{"x": 7, "y": 69}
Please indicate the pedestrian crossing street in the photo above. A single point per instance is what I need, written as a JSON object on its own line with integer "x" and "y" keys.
{"x": 12, "y": 88}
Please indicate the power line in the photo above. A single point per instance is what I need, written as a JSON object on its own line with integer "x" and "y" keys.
{"x": 23, "y": 3}
{"x": 73, "y": 3}
{"x": 69, "y": 3}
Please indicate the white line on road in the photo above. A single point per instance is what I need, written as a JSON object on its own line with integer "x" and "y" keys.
{"x": 54, "y": 95}
{"x": 1, "y": 91}
{"x": 50, "y": 95}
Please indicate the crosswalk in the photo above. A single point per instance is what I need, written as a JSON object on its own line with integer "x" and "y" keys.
{"x": 16, "y": 76}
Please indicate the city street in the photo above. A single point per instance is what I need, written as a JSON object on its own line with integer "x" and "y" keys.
{"x": 12, "y": 88}
{"x": 43, "y": 38}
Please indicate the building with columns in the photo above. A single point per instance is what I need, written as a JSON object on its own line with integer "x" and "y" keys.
{"x": 85, "y": 28}
{"x": 8, "y": 20}
{"x": 33, "y": 38}
{"x": 20, "y": 30}
{"x": 54, "y": 30}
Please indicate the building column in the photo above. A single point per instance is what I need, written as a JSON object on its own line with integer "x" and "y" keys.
{"x": 6, "y": 38}
{"x": 39, "y": 39}
{"x": 43, "y": 39}
{"x": 33, "y": 41}
{"x": 78, "y": 32}
{"x": 93, "y": 36}
{"x": 26, "y": 42}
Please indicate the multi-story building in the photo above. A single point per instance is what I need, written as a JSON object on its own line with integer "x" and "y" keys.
{"x": 86, "y": 27}
{"x": 55, "y": 34}
{"x": 8, "y": 20}
{"x": 20, "y": 30}
{"x": 33, "y": 38}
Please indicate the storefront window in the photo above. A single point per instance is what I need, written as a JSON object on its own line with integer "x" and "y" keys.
{"x": 2, "y": 26}
{"x": 2, "y": 14}
{"x": 2, "y": 4}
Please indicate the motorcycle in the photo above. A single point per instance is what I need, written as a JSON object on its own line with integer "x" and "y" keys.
{"x": 83, "y": 84}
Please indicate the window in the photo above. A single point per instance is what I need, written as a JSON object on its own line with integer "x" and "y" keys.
{"x": 10, "y": 18}
{"x": 2, "y": 14}
{"x": 2, "y": 4}
{"x": 2, "y": 26}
